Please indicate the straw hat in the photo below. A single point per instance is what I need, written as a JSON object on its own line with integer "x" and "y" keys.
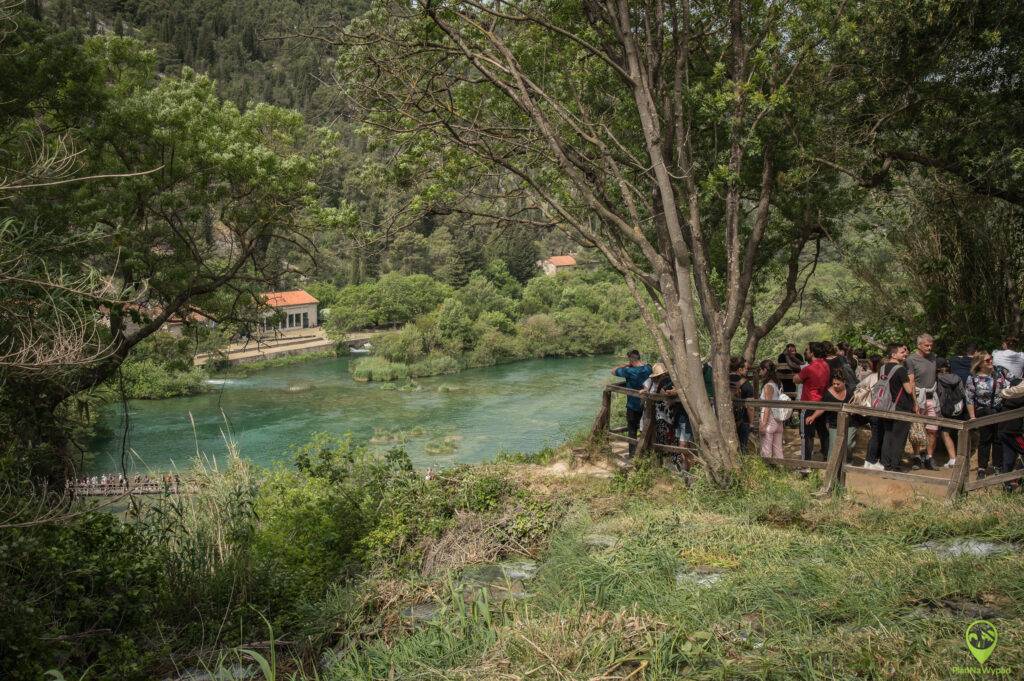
{"x": 658, "y": 370}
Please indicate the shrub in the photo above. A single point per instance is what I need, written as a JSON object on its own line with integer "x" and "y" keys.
{"x": 541, "y": 294}
{"x": 496, "y": 320}
{"x": 76, "y": 595}
{"x": 584, "y": 332}
{"x": 377, "y": 369}
{"x": 481, "y": 295}
{"x": 148, "y": 379}
{"x": 405, "y": 345}
{"x": 493, "y": 347}
{"x": 454, "y": 327}
{"x": 435, "y": 364}
{"x": 540, "y": 335}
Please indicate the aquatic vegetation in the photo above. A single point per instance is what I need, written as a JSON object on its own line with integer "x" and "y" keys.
{"x": 443, "y": 446}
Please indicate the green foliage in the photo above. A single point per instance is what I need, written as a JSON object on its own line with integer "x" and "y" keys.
{"x": 377, "y": 369}
{"x": 434, "y": 364}
{"x": 74, "y": 595}
{"x": 481, "y": 324}
{"x": 149, "y": 379}
{"x": 480, "y": 294}
{"x": 405, "y": 345}
{"x": 481, "y": 493}
{"x": 393, "y": 299}
{"x": 454, "y": 327}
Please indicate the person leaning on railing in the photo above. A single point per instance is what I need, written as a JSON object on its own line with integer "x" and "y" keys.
{"x": 635, "y": 372}
{"x": 1013, "y": 433}
{"x": 983, "y": 399}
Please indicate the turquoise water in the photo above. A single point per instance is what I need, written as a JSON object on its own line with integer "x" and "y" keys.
{"x": 520, "y": 407}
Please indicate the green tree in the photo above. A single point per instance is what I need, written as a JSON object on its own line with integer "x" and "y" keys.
{"x": 454, "y": 327}
{"x": 665, "y": 152}
{"x": 163, "y": 157}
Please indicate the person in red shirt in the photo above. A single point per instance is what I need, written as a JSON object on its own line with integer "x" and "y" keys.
{"x": 814, "y": 380}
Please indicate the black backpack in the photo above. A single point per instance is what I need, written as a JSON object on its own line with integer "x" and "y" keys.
{"x": 951, "y": 394}
{"x": 737, "y": 397}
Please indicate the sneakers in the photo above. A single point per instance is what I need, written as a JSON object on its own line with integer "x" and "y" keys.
{"x": 950, "y": 464}
{"x": 877, "y": 466}
{"x": 929, "y": 463}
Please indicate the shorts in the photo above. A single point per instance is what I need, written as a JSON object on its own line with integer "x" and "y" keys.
{"x": 928, "y": 409}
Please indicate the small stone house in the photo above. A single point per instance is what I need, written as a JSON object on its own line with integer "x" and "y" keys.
{"x": 557, "y": 263}
{"x": 290, "y": 310}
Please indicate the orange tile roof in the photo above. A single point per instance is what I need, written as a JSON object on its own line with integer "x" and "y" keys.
{"x": 288, "y": 298}
{"x": 562, "y": 260}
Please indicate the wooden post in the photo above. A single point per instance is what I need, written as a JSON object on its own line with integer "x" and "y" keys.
{"x": 603, "y": 415}
{"x": 963, "y": 464}
{"x": 646, "y": 437}
{"x": 837, "y": 454}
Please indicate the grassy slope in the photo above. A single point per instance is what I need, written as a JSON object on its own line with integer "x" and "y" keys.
{"x": 811, "y": 590}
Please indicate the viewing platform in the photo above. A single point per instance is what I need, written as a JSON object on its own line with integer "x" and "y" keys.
{"x": 948, "y": 483}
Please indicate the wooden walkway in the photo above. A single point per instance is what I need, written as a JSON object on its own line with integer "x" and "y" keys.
{"x": 116, "y": 489}
{"x": 954, "y": 481}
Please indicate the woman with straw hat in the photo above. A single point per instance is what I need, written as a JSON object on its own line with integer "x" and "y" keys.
{"x": 666, "y": 414}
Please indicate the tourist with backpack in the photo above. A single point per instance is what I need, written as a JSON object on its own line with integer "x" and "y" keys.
{"x": 921, "y": 369}
{"x": 772, "y": 419}
{"x": 813, "y": 380}
{"x": 952, "y": 400}
{"x": 862, "y": 398}
{"x": 893, "y": 392}
{"x": 741, "y": 390}
{"x": 983, "y": 398}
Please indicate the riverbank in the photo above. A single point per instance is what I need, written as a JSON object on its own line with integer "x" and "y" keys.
{"x": 560, "y": 571}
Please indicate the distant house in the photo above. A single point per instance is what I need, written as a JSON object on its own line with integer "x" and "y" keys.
{"x": 290, "y": 310}
{"x": 557, "y": 263}
{"x": 174, "y": 325}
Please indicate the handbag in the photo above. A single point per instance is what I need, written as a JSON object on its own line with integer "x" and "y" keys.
{"x": 918, "y": 437}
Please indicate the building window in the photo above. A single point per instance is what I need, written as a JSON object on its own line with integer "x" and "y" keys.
{"x": 305, "y": 320}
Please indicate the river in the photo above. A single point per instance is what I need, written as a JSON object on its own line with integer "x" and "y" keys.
{"x": 467, "y": 417}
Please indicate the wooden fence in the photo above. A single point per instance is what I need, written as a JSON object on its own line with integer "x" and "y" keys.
{"x": 834, "y": 467}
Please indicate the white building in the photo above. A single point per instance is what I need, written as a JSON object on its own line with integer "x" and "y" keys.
{"x": 290, "y": 310}
{"x": 556, "y": 263}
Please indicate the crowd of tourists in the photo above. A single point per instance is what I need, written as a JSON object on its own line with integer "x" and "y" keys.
{"x": 110, "y": 485}
{"x": 971, "y": 384}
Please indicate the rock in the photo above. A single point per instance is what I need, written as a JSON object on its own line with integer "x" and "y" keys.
{"x": 502, "y": 581}
{"x": 956, "y": 608}
{"x": 600, "y": 541}
{"x": 700, "y": 576}
{"x": 522, "y": 568}
{"x": 966, "y": 546}
{"x": 421, "y": 612}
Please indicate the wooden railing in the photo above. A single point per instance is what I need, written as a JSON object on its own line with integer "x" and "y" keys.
{"x": 834, "y": 469}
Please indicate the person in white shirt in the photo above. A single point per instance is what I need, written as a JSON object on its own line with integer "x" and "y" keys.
{"x": 1010, "y": 359}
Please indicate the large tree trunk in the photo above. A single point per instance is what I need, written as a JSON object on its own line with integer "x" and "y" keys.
{"x": 676, "y": 194}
